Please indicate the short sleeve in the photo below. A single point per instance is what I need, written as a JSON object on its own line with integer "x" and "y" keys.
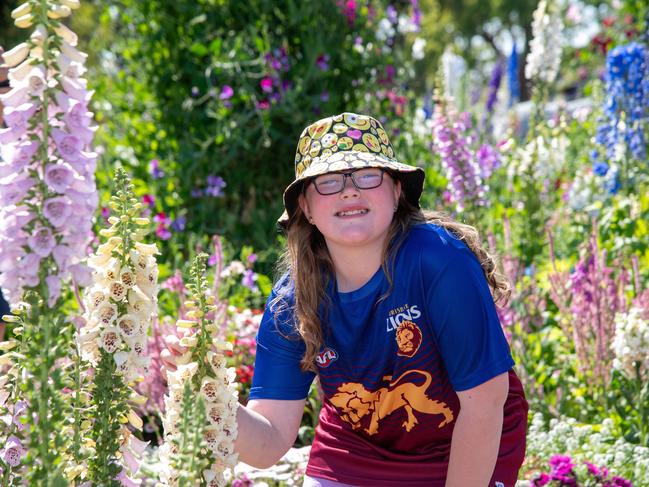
{"x": 464, "y": 319}
{"x": 277, "y": 364}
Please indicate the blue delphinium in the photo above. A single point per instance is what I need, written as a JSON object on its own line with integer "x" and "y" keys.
{"x": 627, "y": 92}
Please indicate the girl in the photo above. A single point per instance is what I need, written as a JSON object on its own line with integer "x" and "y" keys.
{"x": 392, "y": 309}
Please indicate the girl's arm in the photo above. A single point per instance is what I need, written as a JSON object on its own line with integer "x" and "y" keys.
{"x": 267, "y": 429}
{"x": 476, "y": 436}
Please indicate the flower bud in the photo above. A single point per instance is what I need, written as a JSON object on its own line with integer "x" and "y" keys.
{"x": 59, "y": 11}
{"x": 8, "y": 345}
{"x": 211, "y": 300}
{"x": 107, "y": 232}
{"x": 186, "y": 324}
{"x": 124, "y": 218}
{"x": 24, "y": 22}
{"x": 15, "y": 56}
{"x": 113, "y": 220}
{"x": 190, "y": 304}
{"x": 188, "y": 341}
{"x": 195, "y": 313}
{"x": 135, "y": 420}
{"x": 73, "y": 4}
{"x": 10, "y": 319}
{"x": 24, "y": 9}
{"x": 141, "y": 221}
{"x": 67, "y": 35}
{"x": 39, "y": 35}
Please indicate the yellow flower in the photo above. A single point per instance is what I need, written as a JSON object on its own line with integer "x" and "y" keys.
{"x": 24, "y": 9}
{"x": 59, "y": 11}
{"x": 146, "y": 249}
{"x": 24, "y": 21}
{"x": 186, "y": 324}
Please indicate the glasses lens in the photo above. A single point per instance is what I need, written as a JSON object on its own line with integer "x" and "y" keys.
{"x": 363, "y": 179}
{"x": 368, "y": 178}
{"x": 329, "y": 183}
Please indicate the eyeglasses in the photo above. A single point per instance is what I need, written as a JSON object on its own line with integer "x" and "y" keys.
{"x": 367, "y": 178}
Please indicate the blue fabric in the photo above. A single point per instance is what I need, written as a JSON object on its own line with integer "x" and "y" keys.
{"x": 438, "y": 285}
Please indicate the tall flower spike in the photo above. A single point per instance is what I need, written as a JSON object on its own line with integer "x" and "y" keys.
{"x": 544, "y": 57}
{"x": 47, "y": 201}
{"x": 452, "y": 142}
{"x": 203, "y": 371}
{"x": 119, "y": 310}
{"x": 47, "y": 183}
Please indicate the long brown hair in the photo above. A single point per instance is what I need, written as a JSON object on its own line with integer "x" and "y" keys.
{"x": 311, "y": 269}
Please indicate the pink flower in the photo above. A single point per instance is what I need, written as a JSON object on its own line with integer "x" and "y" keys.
{"x": 17, "y": 96}
{"x": 57, "y": 210}
{"x": 42, "y": 241}
{"x": 264, "y": 105}
{"x": 127, "y": 481}
{"x": 12, "y": 452}
{"x": 59, "y": 177}
{"x": 266, "y": 84}
{"x": 82, "y": 274}
{"x": 226, "y": 92}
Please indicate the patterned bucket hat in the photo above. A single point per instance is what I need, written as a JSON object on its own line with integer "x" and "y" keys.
{"x": 343, "y": 142}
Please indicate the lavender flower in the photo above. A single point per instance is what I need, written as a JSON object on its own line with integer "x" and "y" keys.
{"x": 451, "y": 141}
{"x": 226, "y": 92}
{"x": 215, "y": 185}
{"x": 56, "y": 156}
{"x": 154, "y": 169}
{"x": 322, "y": 62}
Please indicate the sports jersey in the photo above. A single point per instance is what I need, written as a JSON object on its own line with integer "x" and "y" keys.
{"x": 390, "y": 368}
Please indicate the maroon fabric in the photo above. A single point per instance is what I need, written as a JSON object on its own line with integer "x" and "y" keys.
{"x": 341, "y": 454}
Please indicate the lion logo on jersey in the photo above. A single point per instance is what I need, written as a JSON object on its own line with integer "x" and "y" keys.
{"x": 408, "y": 338}
{"x": 355, "y": 402}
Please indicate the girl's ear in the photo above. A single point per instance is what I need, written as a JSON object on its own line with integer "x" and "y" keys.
{"x": 301, "y": 200}
{"x": 397, "y": 190}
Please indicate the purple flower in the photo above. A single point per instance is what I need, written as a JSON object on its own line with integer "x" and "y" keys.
{"x": 226, "y": 92}
{"x": 149, "y": 200}
{"x": 57, "y": 210}
{"x": 494, "y": 84}
{"x": 196, "y": 192}
{"x": 195, "y": 91}
{"x": 178, "y": 224}
{"x": 42, "y": 241}
{"x": 12, "y": 452}
{"x": 252, "y": 258}
{"x": 154, "y": 169}
{"x": 212, "y": 260}
{"x": 324, "y": 96}
{"x": 215, "y": 185}
{"x": 392, "y": 14}
{"x": 162, "y": 232}
{"x": 322, "y": 62}
{"x": 542, "y": 479}
{"x": 248, "y": 280}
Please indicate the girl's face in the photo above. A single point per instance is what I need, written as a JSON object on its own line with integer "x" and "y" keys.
{"x": 354, "y": 217}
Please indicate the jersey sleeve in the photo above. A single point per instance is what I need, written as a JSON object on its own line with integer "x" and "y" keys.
{"x": 464, "y": 318}
{"x": 277, "y": 372}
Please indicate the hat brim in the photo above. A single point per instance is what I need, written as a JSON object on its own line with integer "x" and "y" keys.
{"x": 411, "y": 178}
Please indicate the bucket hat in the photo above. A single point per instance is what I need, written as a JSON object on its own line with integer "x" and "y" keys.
{"x": 343, "y": 142}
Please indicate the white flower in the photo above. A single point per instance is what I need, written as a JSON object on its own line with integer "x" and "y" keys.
{"x": 106, "y": 313}
{"x": 544, "y": 57}
{"x": 631, "y": 344}
{"x": 418, "y": 48}
{"x": 109, "y": 339}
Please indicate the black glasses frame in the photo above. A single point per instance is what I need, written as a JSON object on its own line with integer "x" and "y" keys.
{"x": 350, "y": 175}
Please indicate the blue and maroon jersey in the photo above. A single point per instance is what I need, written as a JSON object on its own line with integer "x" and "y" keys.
{"x": 390, "y": 368}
